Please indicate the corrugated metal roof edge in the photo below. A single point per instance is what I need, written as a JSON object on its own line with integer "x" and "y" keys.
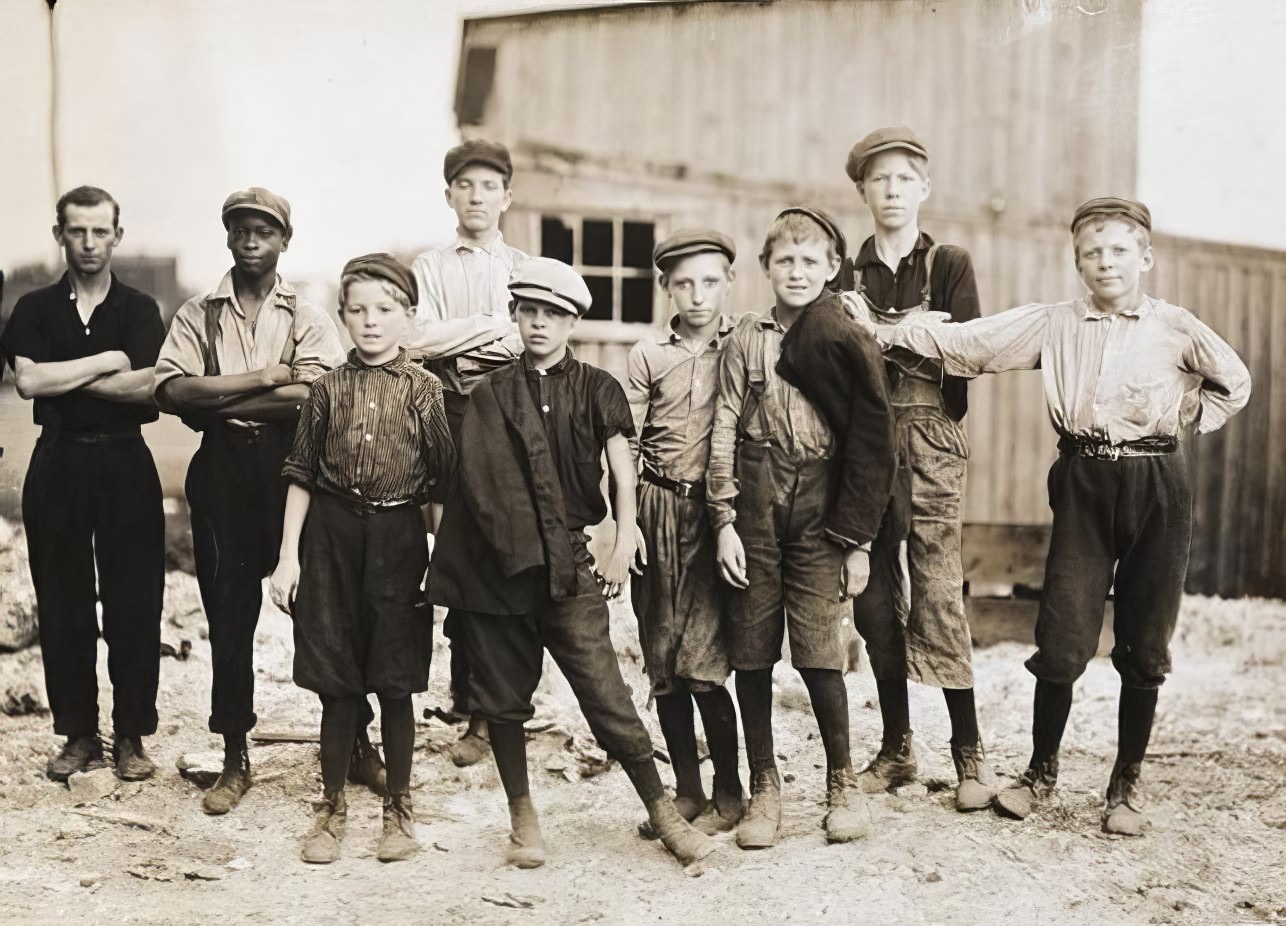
{"x": 583, "y": 8}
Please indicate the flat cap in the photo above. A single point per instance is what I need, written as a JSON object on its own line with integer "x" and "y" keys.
{"x": 827, "y": 224}
{"x": 385, "y": 266}
{"x": 1113, "y": 207}
{"x": 687, "y": 241}
{"x": 257, "y": 199}
{"x": 477, "y": 151}
{"x": 543, "y": 279}
{"x": 889, "y": 138}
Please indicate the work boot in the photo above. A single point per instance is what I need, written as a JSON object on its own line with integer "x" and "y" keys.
{"x": 365, "y": 767}
{"x": 893, "y": 766}
{"x": 1119, "y": 813}
{"x": 725, "y": 810}
{"x": 971, "y": 793}
{"x": 398, "y": 841}
{"x": 473, "y": 746}
{"x": 321, "y": 845}
{"x": 847, "y": 816}
{"x": 690, "y": 807}
{"x": 687, "y": 844}
{"x": 758, "y": 828}
{"x": 132, "y": 763}
{"x": 1036, "y": 783}
{"x": 232, "y": 782}
{"x": 526, "y": 845}
{"x": 76, "y": 755}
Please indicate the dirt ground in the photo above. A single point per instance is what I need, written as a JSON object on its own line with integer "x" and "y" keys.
{"x": 146, "y": 854}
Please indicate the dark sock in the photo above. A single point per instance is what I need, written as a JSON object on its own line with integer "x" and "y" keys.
{"x": 964, "y": 716}
{"x": 830, "y": 706}
{"x": 338, "y": 729}
{"x": 234, "y": 750}
{"x": 1051, "y": 706}
{"x": 364, "y": 720}
{"x": 895, "y": 710}
{"x": 754, "y": 696}
{"x": 1134, "y": 719}
{"x": 674, "y": 710}
{"x": 397, "y": 723}
{"x": 719, "y": 718}
{"x": 509, "y": 746}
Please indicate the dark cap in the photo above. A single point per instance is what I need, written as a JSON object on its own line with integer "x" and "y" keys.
{"x": 386, "y": 267}
{"x": 257, "y": 199}
{"x": 543, "y": 279}
{"x": 477, "y": 151}
{"x": 826, "y": 222}
{"x": 1113, "y": 207}
{"x": 687, "y": 241}
{"x": 886, "y": 139}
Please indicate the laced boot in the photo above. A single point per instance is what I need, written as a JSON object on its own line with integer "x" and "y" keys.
{"x": 132, "y": 763}
{"x": 725, "y": 810}
{"x": 1120, "y": 815}
{"x": 398, "y": 841}
{"x": 321, "y": 845}
{"x": 758, "y": 828}
{"x": 232, "y": 783}
{"x": 686, "y": 843}
{"x": 473, "y": 746}
{"x": 1036, "y": 783}
{"x": 847, "y": 816}
{"x": 893, "y": 766}
{"x": 365, "y": 767}
{"x": 526, "y": 845}
{"x": 971, "y": 793}
{"x": 76, "y": 755}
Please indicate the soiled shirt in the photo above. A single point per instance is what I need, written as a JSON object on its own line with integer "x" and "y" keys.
{"x": 374, "y": 434}
{"x": 463, "y": 311}
{"x": 755, "y": 404}
{"x": 1154, "y": 371}
{"x": 288, "y": 329}
{"x": 671, "y": 387}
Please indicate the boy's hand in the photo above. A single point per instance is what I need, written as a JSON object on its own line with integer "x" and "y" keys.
{"x": 613, "y": 576}
{"x": 640, "y": 556}
{"x": 731, "y": 557}
{"x": 855, "y": 572}
{"x": 283, "y": 583}
{"x": 277, "y": 375}
{"x": 115, "y": 361}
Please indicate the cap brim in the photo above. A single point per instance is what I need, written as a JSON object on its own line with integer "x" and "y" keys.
{"x": 858, "y": 166}
{"x": 494, "y": 163}
{"x": 700, "y": 247}
{"x": 251, "y": 207}
{"x": 536, "y": 294}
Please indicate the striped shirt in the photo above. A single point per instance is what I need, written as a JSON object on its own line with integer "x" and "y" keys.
{"x": 376, "y": 435}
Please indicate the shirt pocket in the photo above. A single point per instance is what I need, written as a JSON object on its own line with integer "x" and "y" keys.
{"x": 947, "y": 435}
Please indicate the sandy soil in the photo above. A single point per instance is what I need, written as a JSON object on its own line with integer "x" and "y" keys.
{"x": 1214, "y": 782}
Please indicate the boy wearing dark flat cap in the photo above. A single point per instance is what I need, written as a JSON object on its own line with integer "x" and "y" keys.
{"x": 792, "y": 537}
{"x": 513, "y": 559}
{"x": 898, "y": 273}
{"x": 236, "y": 365}
{"x": 463, "y": 330}
{"x": 671, "y": 387}
{"x": 1129, "y": 380}
{"x": 371, "y": 449}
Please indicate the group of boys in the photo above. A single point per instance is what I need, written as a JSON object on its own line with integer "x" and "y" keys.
{"x": 764, "y": 473}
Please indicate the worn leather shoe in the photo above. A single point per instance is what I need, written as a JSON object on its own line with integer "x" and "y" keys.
{"x": 686, "y": 843}
{"x": 321, "y": 845}
{"x": 226, "y": 792}
{"x": 365, "y": 767}
{"x": 132, "y": 763}
{"x": 847, "y": 816}
{"x": 76, "y": 755}
{"x": 1120, "y": 816}
{"x": 758, "y": 828}
{"x": 526, "y": 845}
{"x": 398, "y": 840}
{"x": 471, "y": 748}
{"x": 893, "y": 766}
{"x": 971, "y": 792}
{"x": 1034, "y": 784}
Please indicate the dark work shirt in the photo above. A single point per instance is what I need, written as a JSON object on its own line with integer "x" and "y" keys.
{"x": 953, "y": 289}
{"x": 374, "y": 434}
{"x": 581, "y": 406}
{"x": 46, "y": 328}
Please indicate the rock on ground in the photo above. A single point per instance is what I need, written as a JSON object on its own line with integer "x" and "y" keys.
{"x": 18, "y": 628}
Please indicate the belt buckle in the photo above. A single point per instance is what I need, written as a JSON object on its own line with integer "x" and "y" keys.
{"x": 1112, "y": 452}
{"x": 684, "y": 489}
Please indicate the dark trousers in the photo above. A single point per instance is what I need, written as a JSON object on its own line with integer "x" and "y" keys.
{"x": 237, "y": 498}
{"x": 1127, "y": 522}
{"x": 455, "y": 406}
{"x": 506, "y": 653}
{"x": 86, "y": 504}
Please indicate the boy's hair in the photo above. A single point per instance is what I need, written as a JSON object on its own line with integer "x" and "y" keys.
{"x": 399, "y": 295}
{"x": 799, "y": 228}
{"x": 1141, "y": 234}
{"x": 919, "y": 164}
{"x": 87, "y": 196}
{"x": 666, "y": 267}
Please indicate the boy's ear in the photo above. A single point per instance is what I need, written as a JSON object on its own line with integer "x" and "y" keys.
{"x": 732, "y": 274}
{"x": 58, "y": 233}
{"x": 509, "y": 198}
{"x": 861, "y": 190}
{"x": 835, "y": 265}
{"x": 1147, "y": 260}
{"x": 446, "y": 194}
{"x": 928, "y": 188}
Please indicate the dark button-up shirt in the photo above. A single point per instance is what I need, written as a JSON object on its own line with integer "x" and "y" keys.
{"x": 953, "y": 289}
{"x": 671, "y": 390}
{"x": 376, "y": 435}
{"x": 581, "y": 406}
{"x": 46, "y": 328}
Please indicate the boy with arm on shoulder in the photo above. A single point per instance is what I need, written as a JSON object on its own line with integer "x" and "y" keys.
{"x": 1128, "y": 380}
{"x": 676, "y": 594}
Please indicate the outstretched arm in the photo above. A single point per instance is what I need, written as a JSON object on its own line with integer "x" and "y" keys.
{"x": 1009, "y": 340}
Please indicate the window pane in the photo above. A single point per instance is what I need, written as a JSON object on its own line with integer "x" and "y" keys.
{"x": 555, "y": 239}
{"x": 600, "y": 293}
{"x": 636, "y": 241}
{"x": 596, "y": 247}
{"x": 636, "y": 300}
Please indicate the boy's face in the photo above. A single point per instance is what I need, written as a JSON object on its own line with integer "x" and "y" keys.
{"x": 544, "y": 328}
{"x": 88, "y": 235}
{"x": 893, "y": 189}
{"x": 256, "y": 242}
{"x": 699, "y": 285}
{"x": 1110, "y": 258}
{"x": 375, "y": 321}
{"x": 798, "y": 270}
{"x": 479, "y": 197}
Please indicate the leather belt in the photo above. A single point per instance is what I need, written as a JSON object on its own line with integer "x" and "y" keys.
{"x": 1102, "y": 450}
{"x": 90, "y": 437}
{"x": 680, "y": 487}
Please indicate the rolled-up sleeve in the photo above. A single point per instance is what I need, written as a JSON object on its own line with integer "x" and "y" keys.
{"x": 435, "y": 437}
{"x": 637, "y": 392}
{"x": 303, "y": 464}
{"x": 1225, "y": 389}
{"x": 317, "y": 346}
{"x": 721, "y": 483}
{"x": 183, "y": 353}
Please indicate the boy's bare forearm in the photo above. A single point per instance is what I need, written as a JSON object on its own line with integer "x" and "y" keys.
{"x": 133, "y": 388}
{"x": 198, "y": 393}
{"x": 279, "y": 404}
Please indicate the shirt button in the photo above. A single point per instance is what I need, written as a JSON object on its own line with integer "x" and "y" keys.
{"x": 844, "y": 622}
{"x": 544, "y": 408}
{"x": 372, "y": 405}
{"x": 368, "y": 437}
{"x": 433, "y": 482}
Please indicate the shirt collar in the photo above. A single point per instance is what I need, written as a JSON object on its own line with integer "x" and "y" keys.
{"x": 868, "y": 255}
{"x": 283, "y": 294}
{"x": 769, "y": 322}
{"x": 494, "y": 247}
{"x": 671, "y": 333}
{"x": 560, "y": 367}
{"x": 115, "y": 291}
{"x": 1089, "y": 313}
{"x": 394, "y": 366}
